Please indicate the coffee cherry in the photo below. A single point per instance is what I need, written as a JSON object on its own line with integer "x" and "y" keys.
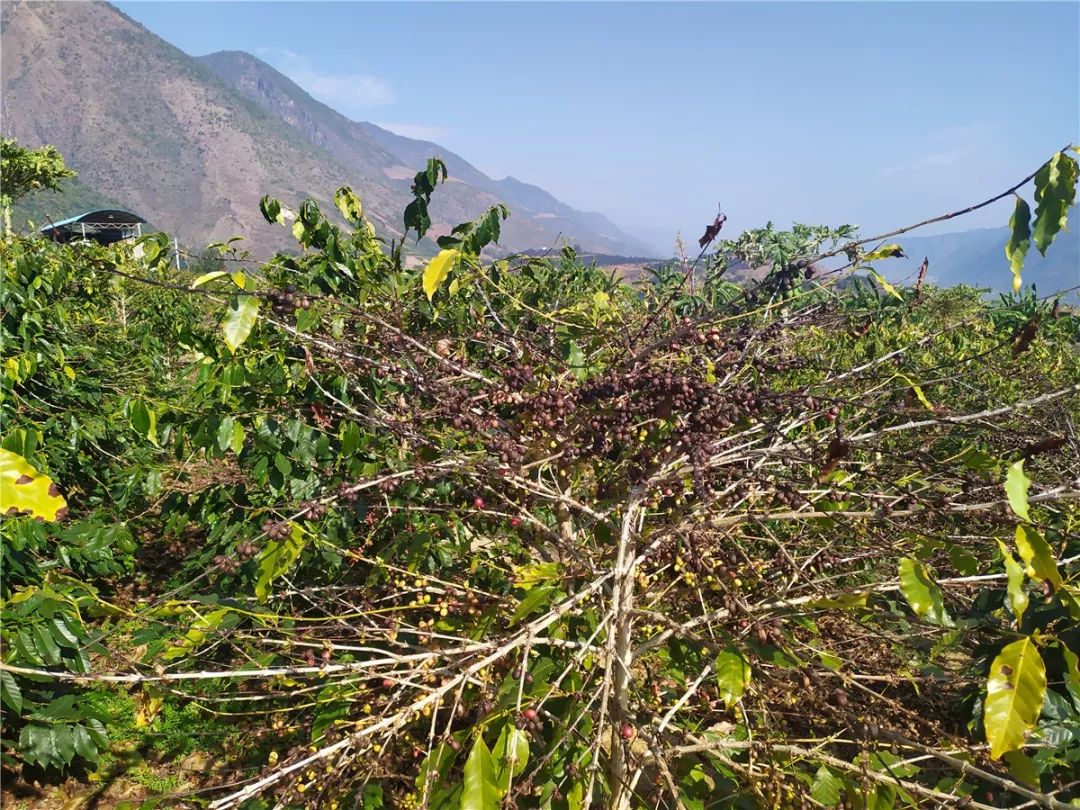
{"x": 478, "y": 502}
{"x": 628, "y": 731}
{"x": 515, "y": 522}
{"x": 529, "y": 714}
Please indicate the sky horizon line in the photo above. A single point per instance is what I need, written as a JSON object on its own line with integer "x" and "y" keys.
{"x": 653, "y": 113}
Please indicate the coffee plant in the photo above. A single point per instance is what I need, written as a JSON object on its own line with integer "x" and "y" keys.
{"x": 517, "y": 533}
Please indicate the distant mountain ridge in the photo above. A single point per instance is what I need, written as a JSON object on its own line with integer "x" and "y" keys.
{"x": 192, "y": 144}
{"x": 537, "y": 217}
{"x": 977, "y": 258}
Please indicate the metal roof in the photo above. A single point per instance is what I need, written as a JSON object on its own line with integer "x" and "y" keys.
{"x": 104, "y": 216}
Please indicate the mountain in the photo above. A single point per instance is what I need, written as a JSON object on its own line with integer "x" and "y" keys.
{"x": 192, "y": 145}
{"x": 537, "y": 219}
{"x": 977, "y": 258}
{"x": 152, "y": 128}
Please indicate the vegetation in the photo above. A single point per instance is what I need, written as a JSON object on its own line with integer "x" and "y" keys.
{"x": 483, "y": 535}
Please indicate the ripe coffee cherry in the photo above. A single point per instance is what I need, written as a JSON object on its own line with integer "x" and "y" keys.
{"x": 529, "y": 714}
{"x": 515, "y": 522}
{"x": 628, "y": 731}
{"x": 478, "y": 502}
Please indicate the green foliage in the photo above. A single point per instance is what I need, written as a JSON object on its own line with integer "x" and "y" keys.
{"x": 23, "y": 171}
{"x": 371, "y": 518}
{"x": 1055, "y": 193}
{"x": 416, "y": 213}
{"x": 922, "y": 593}
{"x": 1019, "y": 240}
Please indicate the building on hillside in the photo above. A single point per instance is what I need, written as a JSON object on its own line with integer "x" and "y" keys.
{"x": 104, "y": 226}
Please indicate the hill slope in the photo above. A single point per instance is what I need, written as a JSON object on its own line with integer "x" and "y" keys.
{"x": 192, "y": 145}
{"x": 537, "y": 218}
{"x": 150, "y": 127}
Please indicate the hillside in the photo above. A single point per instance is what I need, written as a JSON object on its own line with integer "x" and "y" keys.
{"x": 154, "y": 130}
{"x": 146, "y": 125}
{"x": 537, "y": 218}
{"x": 591, "y": 230}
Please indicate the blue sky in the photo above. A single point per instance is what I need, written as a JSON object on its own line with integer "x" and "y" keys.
{"x": 878, "y": 114}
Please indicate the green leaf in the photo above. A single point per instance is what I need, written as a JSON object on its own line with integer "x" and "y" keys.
{"x": 826, "y": 787}
{"x": 1019, "y": 240}
{"x": 283, "y": 465}
{"x": 1055, "y": 192}
{"x": 511, "y": 754}
{"x": 1016, "y": 488}
{"x": 732, "y": 676}
{"x": 1022, "y": 768}
{"x": 575, "y": 357}
{"x": 1014, "y": 696}
{"x": 348, "y": 204}
{"x": 271, "y": 210}
{"x": 46, "y": 646}
{"x": 38, "y": 744}
{"x": 277, "y": 558}
{"x": 144, "y": 420}
{"x": 1037, "y": 555}
{"x": 236, "y": 442}
{"x": 64, "y": 741}
{"x": 535, "y": 598}
{"x": 84, "y": 744}
{"x": 438, "y": 270}
{"x": 575, "y": 796}
{"x": 1072, "y": 674}
{"x": 205, "y": 277}
{"x": 239, "y": 320}
{"x": 22, "y": 489}
{"x": 11, "y": 695}
{"x": 194, "y": 637}
{"x": 922, "y": 593}
{"x": 480, "y": 791}
{"x": 224, "y": 433}
{"x": 1018, "y": 597}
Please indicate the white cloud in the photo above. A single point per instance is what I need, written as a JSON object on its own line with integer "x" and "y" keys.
{"x": 348, "y": 93}
{"x": 421, "y": 132}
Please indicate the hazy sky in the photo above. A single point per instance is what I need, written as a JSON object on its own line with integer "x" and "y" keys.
{"x": 878, "y": 114}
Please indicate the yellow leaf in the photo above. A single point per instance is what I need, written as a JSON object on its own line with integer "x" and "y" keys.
{"x": 23, "y": 489}
{"x": 917, "y": 391}
{"x": 885, "y": 252}
{"x": 880, "y": 279}
{"x": 439, "y": 269}
{"x": 149, "y": 703}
